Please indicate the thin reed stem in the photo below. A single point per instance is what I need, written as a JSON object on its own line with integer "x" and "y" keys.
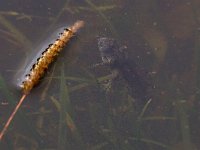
{"x": 12, "y": 116}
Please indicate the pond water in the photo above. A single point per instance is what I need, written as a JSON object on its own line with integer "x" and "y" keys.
{"x": 147, "y": 100}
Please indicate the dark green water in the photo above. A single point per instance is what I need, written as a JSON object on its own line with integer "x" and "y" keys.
{"x": 75, "y": 106}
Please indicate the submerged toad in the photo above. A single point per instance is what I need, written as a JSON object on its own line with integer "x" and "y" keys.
{"x": 117, "y": 59}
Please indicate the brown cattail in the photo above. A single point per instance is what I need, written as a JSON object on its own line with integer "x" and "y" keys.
{"x": 47, "y": 57}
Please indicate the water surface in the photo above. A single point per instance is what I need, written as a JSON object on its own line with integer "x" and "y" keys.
{"x": 76, "y": 105}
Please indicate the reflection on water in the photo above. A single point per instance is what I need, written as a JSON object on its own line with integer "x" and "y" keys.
{"x": 76, "y": 106}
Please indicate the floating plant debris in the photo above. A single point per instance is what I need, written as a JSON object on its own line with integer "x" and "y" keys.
{"x": 41, "y": 65}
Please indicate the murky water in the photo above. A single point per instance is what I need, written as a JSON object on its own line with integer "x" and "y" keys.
{"x": 82, "y": 104}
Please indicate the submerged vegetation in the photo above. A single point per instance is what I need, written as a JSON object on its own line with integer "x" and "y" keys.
{"x": 75, "y": 106}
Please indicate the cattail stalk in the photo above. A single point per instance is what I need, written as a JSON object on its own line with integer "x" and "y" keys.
{"x": 38, "y": 69}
